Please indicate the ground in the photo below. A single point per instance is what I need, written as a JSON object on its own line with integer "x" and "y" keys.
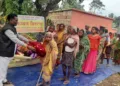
{"x": 113, "y": 80}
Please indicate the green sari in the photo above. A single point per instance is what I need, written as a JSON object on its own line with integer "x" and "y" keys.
{"x": 113, "y": 41}
{"x": 81, "y": 54}
{"x": 117, "y": 52}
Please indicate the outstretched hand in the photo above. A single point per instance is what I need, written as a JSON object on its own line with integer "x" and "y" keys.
{"x": 31, "y": 48}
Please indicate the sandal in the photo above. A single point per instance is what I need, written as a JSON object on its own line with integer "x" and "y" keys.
{"x": 40, "y": 84}
{"x": 77, "y": 75}
{"x": 66, "y": 82}
{"x": 8, "y": 83}
{"x": 62, "y": 79}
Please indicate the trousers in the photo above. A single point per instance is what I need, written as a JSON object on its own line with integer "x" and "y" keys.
{"x": 4, "y": 62}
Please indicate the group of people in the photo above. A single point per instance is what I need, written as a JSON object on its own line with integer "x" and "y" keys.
{"x": 79, "y": 50}
{"x": 73, "y": 48}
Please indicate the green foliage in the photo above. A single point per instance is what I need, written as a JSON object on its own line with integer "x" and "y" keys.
{"x": 44, "y": 6}
{"x": 96, "y": 6}
{"x": 117, "y": 22}
{"x": 49, "y": 23}
{"x": 111, "y": 15}
{"x": 11, "y": 6}
{"x": 66, "y": 4}
{"x": 28, "y": 7}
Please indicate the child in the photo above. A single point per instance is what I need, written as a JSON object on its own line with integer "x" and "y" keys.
{"x": 71, "y": 49}
{"x": 49, "y": 60}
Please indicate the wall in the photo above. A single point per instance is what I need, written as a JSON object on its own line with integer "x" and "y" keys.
{"x": 60, "y": 17}
{"x": 80, "y": 19}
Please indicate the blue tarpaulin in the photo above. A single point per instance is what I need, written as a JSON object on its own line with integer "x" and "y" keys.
{"x": 27, "y": 76}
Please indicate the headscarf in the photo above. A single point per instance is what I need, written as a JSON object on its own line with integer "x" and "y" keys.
{"x": 48, "y": 33}
{"x": 75, "y": 28}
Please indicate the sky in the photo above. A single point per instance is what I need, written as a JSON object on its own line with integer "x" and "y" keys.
{"x": 111, "y": 6}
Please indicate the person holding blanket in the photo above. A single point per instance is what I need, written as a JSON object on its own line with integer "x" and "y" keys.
{"x": 49, "y": 60}
{"x": 84, "y": 46}
{"x": 9, "y": 39}
{"x": 71, "y": 49}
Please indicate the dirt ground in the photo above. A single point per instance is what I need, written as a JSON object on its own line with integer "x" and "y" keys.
{"x": 113, "y": 80}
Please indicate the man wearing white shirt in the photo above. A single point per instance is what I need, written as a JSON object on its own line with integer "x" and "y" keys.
{"x": 8, "y": 42}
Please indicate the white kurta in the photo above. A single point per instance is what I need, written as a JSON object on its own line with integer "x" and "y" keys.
{"x": 4, "y": 61}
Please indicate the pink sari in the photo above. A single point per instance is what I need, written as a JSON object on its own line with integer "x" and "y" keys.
{"x": 89, "y": 65}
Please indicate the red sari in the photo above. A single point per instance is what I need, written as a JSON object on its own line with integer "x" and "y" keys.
{"x": 89, "y": 65}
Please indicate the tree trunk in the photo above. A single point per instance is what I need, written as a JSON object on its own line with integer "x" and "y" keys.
{"x": 44, "y": 12}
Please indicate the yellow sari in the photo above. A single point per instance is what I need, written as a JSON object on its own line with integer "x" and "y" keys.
{"x": 49, "y": 60}
{"x": 60, "y": 41}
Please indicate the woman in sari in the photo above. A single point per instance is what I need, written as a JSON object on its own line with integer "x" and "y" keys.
{"x": 102, "y": 42}
{"x": 106, "y": 49}
{"x": 89, "y": 65}
{"x": 60, "y": 40}
{"x": 71, "y": 50}
{"x": 116, "y": 58}
{"x": 49, "y": 60}
{"x": 84, "y": 46}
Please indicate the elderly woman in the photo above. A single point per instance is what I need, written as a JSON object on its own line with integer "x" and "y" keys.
{"x": 84, "y": 46}
{"x": 71, "y": 49}
{"x": 49, "y": 60}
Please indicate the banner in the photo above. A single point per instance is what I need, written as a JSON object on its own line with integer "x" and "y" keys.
{"x": 30, "y": 24}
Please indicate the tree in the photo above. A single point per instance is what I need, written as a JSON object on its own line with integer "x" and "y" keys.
{"x": 111, "y": 15}
{"x": 1, "y": 7}
{"x": 11, "y": 6}
{"x": 66, "y": 4}
{"x": 28, "y": 7}
{"x": 96, "y": 6}
{"x": 117, "y": 22}
{"x": 44, "y": 6}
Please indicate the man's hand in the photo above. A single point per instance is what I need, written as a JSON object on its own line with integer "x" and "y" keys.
{"x": 31, "y": 48}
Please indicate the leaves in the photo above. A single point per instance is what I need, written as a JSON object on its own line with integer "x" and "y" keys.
{"x": 96, "y": 5}
{"x": 44, "y": 8}
{"x": 66, "y": 4}
{"x": 117, "y": 22}
{"x": 28, "y": 7}
{"x": 111, "y": 15}
{"x": 11, "y": 6}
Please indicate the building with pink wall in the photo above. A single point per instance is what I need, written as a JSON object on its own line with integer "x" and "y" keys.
{"x": 79, "y": 18}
